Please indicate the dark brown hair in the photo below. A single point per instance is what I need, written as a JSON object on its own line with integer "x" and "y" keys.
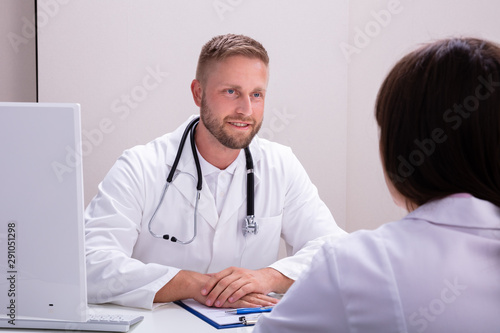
{"x": 439, "y": 116}
{"x": 223, "y": 46}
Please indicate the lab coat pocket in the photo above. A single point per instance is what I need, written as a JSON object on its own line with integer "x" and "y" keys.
{"x": 262, "y": 249}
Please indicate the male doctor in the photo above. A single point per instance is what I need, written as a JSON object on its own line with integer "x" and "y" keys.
{"x": 222, "y": 266}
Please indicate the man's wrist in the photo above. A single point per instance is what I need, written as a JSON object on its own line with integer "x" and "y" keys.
{"x": 278, "y": 282}
{"x": 184, "y": 285}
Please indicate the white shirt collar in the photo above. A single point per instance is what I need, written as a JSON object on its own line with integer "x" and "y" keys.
{"x": 462, "y": 210}
{"x": 207, "y": 168}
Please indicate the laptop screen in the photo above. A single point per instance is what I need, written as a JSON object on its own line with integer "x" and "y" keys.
{"x": 41, "y": 217}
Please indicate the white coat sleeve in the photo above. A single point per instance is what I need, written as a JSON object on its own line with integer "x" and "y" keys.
{"x": 312, "y": 304}
{"x": 349, "y": 287}
{"x": 112, "y": 225}
{"x": 307, "y": 221}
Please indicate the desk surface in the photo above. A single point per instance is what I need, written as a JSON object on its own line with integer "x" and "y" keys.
{"x": 165, "y": 318}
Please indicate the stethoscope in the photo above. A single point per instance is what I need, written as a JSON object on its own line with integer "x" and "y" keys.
{"x": 250, "y": 226}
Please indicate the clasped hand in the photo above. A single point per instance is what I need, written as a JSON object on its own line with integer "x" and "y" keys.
{"x": 239, "y": 287}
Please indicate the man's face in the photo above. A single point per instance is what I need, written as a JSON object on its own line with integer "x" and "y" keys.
{"x": 232, "y": 104}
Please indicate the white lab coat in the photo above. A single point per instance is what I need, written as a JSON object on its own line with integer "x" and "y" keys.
{"x": 127, "y": 265}
{"x": 436, "y": 270}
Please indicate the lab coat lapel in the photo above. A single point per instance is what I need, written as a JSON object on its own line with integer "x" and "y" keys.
{"x": 206, "y": 206}
{"x": 236, "y": 194}
{"x": 186, "y": 184}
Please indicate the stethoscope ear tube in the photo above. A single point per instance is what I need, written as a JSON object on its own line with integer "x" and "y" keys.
{"x": 250, "y": 182}
{"x": 181, "y": 147}
{"x": 189, "y": 129}
{"x": 167, "y": 184}
{"x": 250, "y": 226}
{"x": 196, "y": 159}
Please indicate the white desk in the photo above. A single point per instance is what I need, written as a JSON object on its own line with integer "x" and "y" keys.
{"x": 165, "y": 319}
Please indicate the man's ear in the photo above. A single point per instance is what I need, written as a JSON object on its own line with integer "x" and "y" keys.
{"x": 197, "y": 92}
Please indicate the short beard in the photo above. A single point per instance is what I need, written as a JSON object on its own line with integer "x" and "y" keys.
{"x": 217, "y": 129}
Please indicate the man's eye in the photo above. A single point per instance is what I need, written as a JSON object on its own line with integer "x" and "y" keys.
{"x": 257, "y": 94}
{"x": 230, "y": 91}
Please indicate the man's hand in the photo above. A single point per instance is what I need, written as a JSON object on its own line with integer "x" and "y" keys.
{"x": 184, "y": 285}
{"x": 250, "y": 301}
{"x": 231, "y": 284}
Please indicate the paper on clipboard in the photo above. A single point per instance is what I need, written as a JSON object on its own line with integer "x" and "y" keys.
{"x": 214, "y": 316}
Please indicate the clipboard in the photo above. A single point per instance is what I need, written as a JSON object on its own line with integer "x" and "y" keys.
{"x": 217, "y": 317}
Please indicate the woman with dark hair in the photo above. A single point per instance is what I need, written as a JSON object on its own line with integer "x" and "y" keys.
{"x": 437, "y": 269}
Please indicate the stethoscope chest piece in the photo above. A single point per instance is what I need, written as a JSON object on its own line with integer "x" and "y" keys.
{"x": 250, "y": 226}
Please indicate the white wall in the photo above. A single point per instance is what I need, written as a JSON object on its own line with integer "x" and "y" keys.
{"x": 98, "y": 52}
{"x": 17, "y": 51}
{"x": 413, "y": 22}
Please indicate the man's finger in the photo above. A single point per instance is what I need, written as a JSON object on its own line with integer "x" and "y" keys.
{"x": 214, "y": 280}
{"x": 252, "y": 301}
{"x": 224, "y": 288}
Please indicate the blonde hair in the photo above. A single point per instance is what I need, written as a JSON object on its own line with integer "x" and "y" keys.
{"x": 224, "y": 46}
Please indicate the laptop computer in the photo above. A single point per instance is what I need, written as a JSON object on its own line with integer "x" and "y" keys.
{"x": 41, "y": 221}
